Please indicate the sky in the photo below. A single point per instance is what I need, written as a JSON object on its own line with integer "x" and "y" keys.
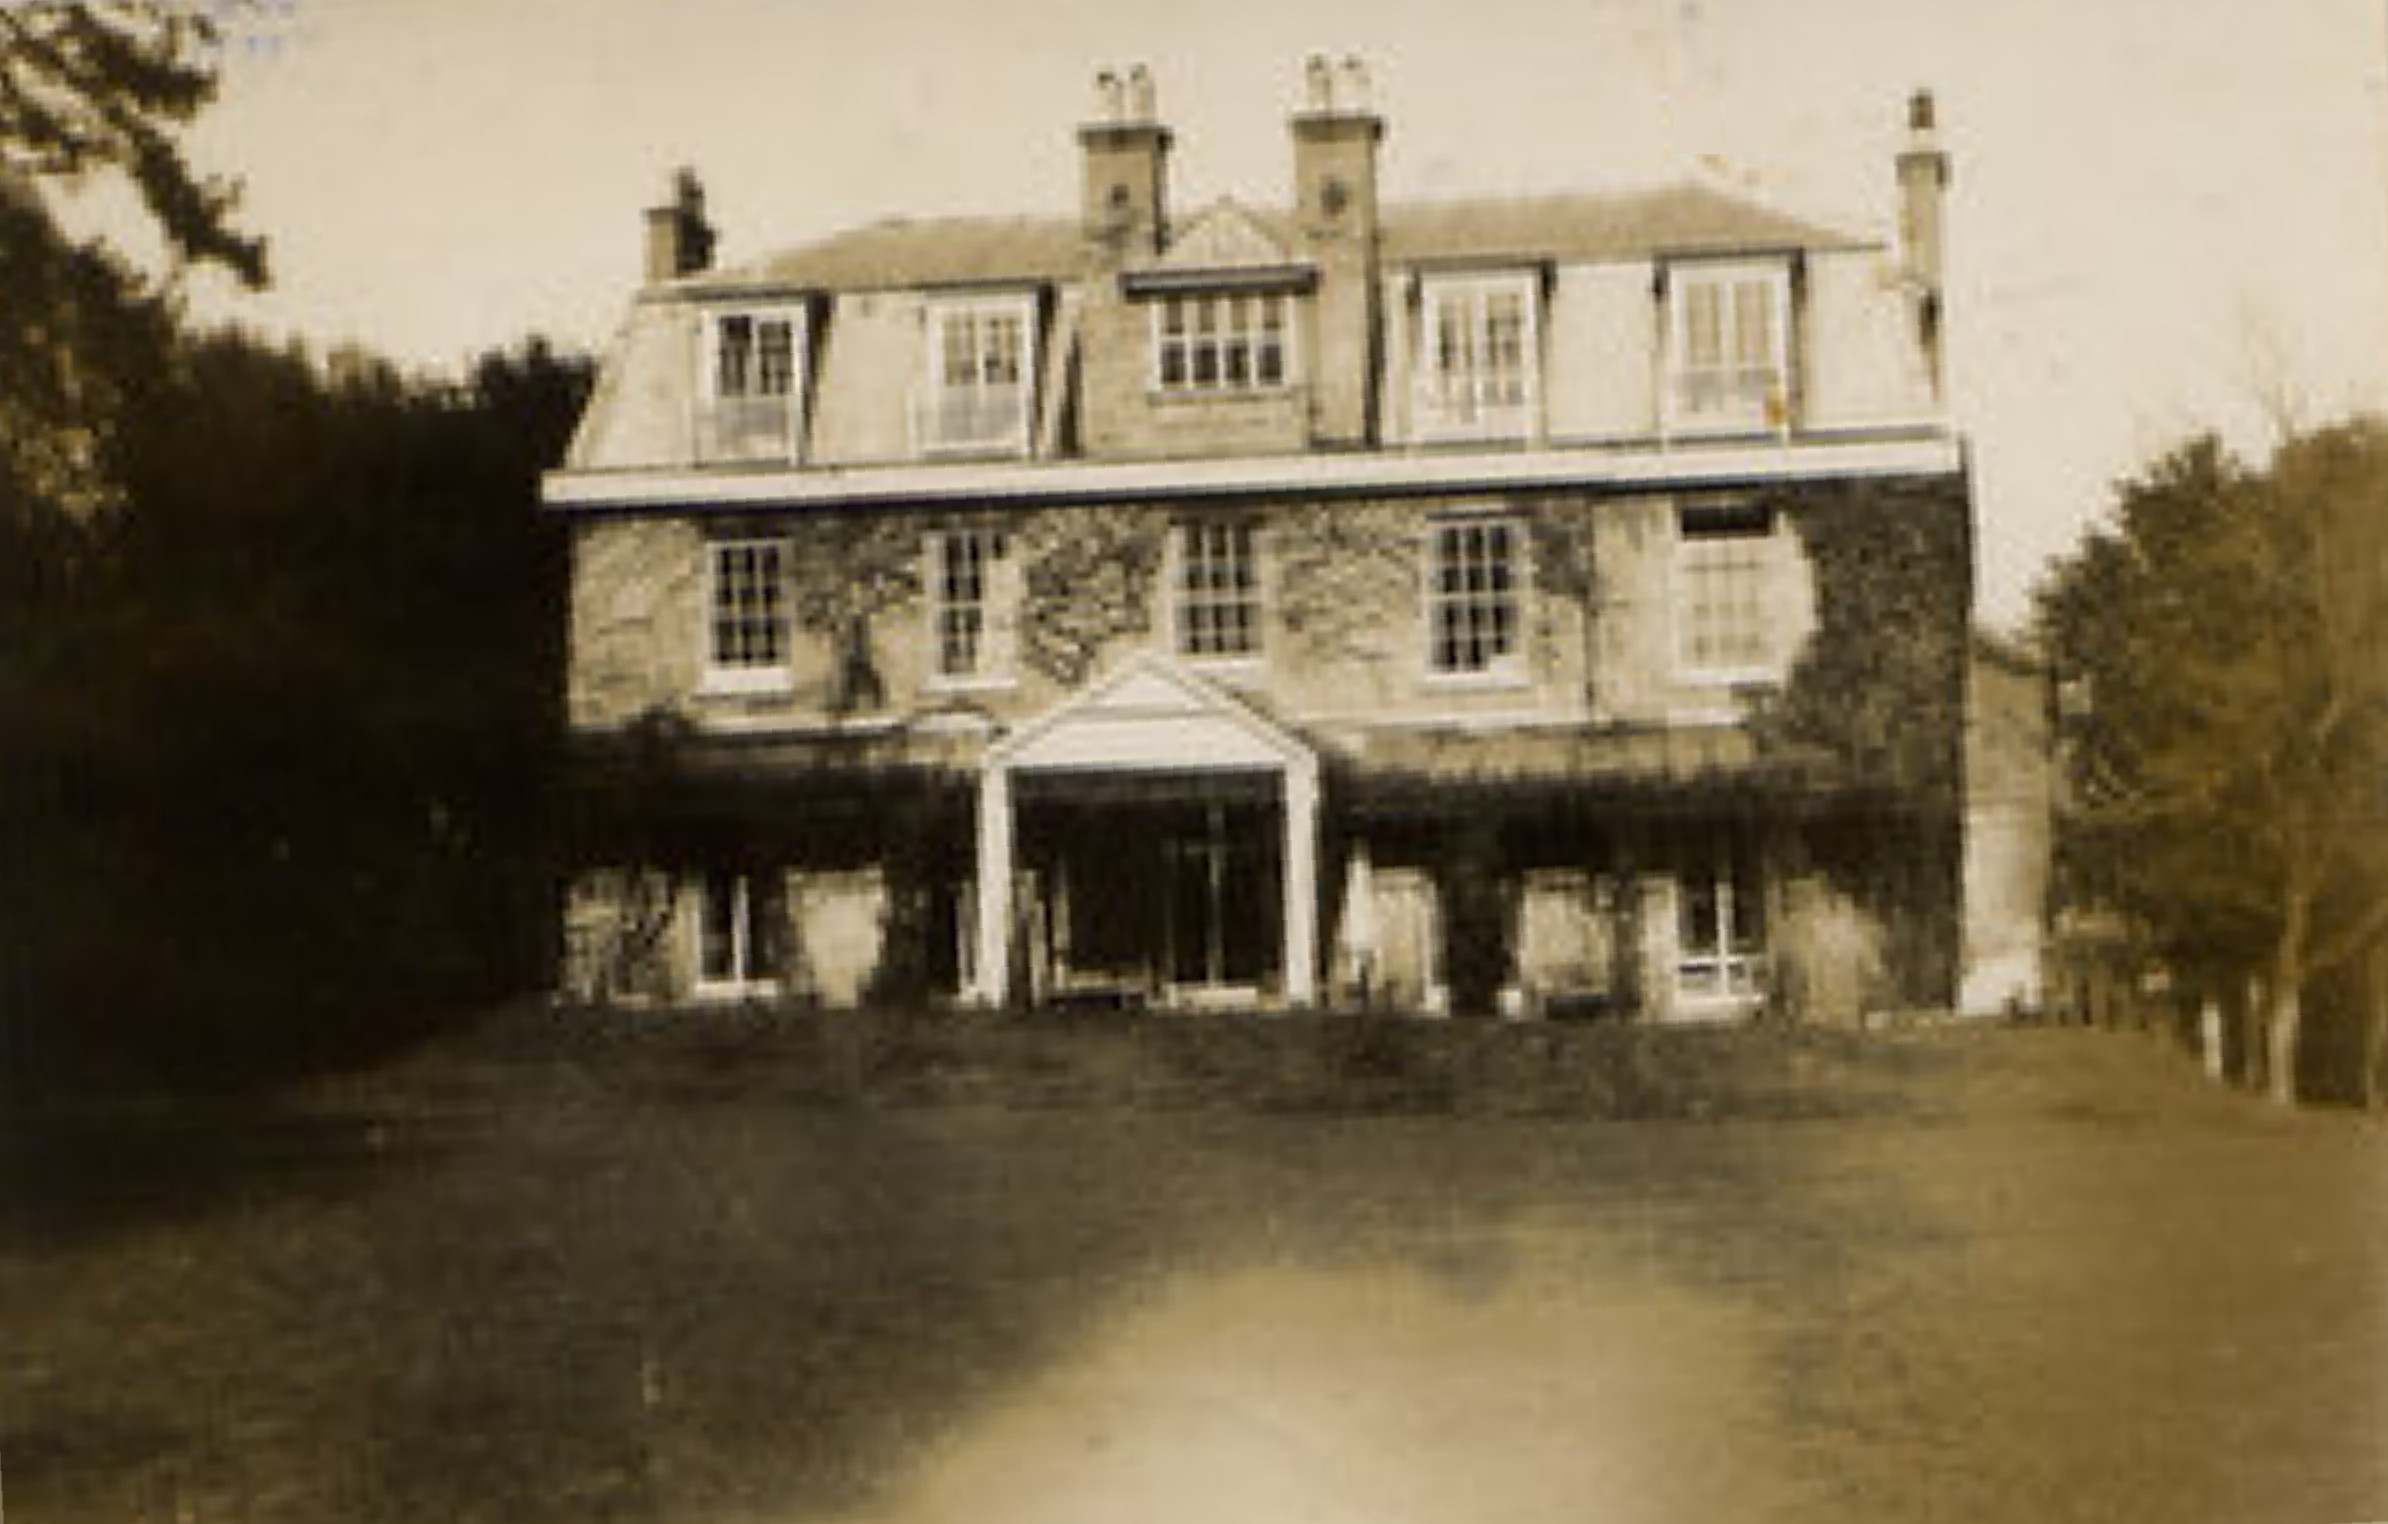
{"x": 2166, "y": 215}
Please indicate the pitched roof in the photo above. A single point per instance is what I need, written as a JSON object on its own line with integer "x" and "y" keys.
{"x": 1676, "y": 219}
{"x": 1673, "y": 219}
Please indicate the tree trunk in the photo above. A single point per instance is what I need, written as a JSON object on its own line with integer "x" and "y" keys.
{"x": 2375, "y": 1031}
{"x": 2249, "y": 1007}
{"x": 2285, "y": 1013}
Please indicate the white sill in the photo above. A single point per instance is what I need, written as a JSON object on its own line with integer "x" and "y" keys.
{"x": 1226, "y": 666}
{"x": 747, "y": 682}
{"x": 1715, "y": 1007}
{"x": 732, "y": 990}
{"x": 985, "y": 682}
{"x": 975, "y": 449}
{"x": 1489, "y": 679}
{"x": 1730, "y": 677}
{"x": 1166, "y": 396}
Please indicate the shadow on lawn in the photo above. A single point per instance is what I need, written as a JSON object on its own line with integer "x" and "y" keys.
{"x": 70, "y": 1177}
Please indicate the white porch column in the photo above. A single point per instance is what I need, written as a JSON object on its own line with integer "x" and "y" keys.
{"x": 1301, "y": 883}
{"x": 994, "y": 885}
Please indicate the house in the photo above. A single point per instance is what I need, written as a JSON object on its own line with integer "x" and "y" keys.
{"x": 1557, "y": 605}
{"x": 2010, "y": 827}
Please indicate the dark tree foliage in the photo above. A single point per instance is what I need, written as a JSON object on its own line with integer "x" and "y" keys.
{"x": 105, "y": 88}
{"x": 285, "y": 730}
{"x": 2223, "y": 640}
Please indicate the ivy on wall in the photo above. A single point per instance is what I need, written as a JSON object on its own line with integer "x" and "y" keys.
{"x": 1881, "y": 685}
{"x": 1087, "y": 578}
{"x": 847, "y": 570}
{"x": 1339, "y": 567}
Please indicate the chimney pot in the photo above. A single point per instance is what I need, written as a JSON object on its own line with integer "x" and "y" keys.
{"x": 1919, "y": 111}
{"x": 1318, "y": 85}
{"x": 1142, "y": 104}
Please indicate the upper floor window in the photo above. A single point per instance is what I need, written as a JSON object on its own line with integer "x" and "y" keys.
{"x": 967, "y": 606}
{"x": 1472, "y": 615}
{"x": 1221, "y": 341}
{"x": 1724, "y": 570}
{"x": 1729, "y": 343}
{"x": 1478, "y": 372}
{"x": 753, "y": 384}
{"x": 747, "y": 633}
{"x": 981, "y": 365}
{"x": 1218, "y": 589}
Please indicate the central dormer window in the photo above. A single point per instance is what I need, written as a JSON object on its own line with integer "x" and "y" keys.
{"x": 753, "y": 384}
{"x": 1478, "y": 370}
{"x": 1221, "y": 342}
{"x": 1729, "y": 346}
{"x": 981, "y": 361}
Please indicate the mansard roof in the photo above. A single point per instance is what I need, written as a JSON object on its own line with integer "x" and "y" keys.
{"x": 950, "y": 251}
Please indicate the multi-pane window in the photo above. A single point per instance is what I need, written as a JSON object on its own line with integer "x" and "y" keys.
{"x": 1220, "y": 342}
{"x": 981, "y": 358}
{"x": 754, "y": 384}
{"x": 1730, "y": 334}
{"x": 1720, "y": 930}
{"x": 1218, "y": 589}
{"x": 964, "y": 572}
{"x": 1477, "y": 368}
{"x": 1472, "y": 596}
{"x": 747, "y": 625}
{"x": 738, "y": 938}
{"x": 1724, "y": 562}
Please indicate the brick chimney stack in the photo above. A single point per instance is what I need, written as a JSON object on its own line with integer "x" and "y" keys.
{"x": 1336, "y": 136}
{"x": 1923, "y": 192}
{"x": 679, "y": 239}
{"x": 1923, "y": 186}
{"x": 1125, "y": 212}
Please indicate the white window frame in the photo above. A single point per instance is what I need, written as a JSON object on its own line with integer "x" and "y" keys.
{"x": 1222, "y": 324}
{"x": 1694, "y": 559}
{"x": 1505, "y": 667}
{"x": 975, "y": 416}
{"x": 991, "y": 611}
{"x": 1734, "y": 979}
{"x": 731, "y": 672}
{"x": 746, "y": 934}
{"x": 1438, "y": 413}
{"x": 737, "y": 424}
{"x": 1752, "y": 372}
{"x": 1186, "y": 557}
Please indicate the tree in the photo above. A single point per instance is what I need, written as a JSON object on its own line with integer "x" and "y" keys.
{"x": 104, "y": 88}
{"x": 2227, "y": 773}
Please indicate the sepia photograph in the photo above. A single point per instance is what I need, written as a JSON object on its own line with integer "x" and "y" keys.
{"x": 1323, "y": 762}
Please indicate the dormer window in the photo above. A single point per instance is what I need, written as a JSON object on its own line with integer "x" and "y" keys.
{"x": 1479, "y": 361}
{"x": 980, "y": 368}
{"x": 752, "y": 385}
{"x": 1222, "y": 342}
{"x": 1729, "y": 347}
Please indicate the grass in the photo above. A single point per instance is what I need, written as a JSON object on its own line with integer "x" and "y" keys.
{"x": 743, "y": 1271}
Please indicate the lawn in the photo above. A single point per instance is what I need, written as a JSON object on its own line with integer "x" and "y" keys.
{"x": 2000, "y": 1274}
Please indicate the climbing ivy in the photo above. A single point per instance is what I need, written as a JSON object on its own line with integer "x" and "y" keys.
{"x": 1087, "y": 579}
{"x": 1881, "y": 686}
{"x": 847, "y": 570}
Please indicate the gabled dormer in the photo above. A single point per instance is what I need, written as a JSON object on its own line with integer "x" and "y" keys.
{"x": 1202, "y": 347}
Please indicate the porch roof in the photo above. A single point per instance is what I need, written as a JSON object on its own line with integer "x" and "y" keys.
{"x": 1647, "y": 764}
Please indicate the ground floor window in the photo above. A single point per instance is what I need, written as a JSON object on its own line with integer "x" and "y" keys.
{"x": 1720, "y": 930}
{"x": 737, "y": 932}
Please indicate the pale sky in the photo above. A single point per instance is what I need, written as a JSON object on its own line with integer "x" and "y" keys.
{"x": 2164, "y": 211}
